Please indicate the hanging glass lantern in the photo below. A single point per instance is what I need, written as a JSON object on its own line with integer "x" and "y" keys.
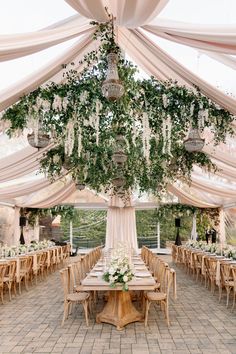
{"x": 67, "y": 164}
{"x": 119, "y": 156}
{"x": 80, "y": 185}
{"x": 112, "y": 87}
{"x": 40, "y": 140}
{"x": 194, "y": 142}
{"x": 118, "y": 181}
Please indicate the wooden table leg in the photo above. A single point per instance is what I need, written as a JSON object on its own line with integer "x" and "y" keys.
{"x": 119, "y": 310}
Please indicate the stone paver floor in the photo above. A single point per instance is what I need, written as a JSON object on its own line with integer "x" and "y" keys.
{"x": 31, "y": 323}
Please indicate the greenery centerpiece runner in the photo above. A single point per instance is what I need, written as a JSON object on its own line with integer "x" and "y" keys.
{"x": 134, "y": 141}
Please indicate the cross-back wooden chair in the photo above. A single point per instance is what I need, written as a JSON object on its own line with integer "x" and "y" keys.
{"x": 210, "y": 272}
{"x": 9, "y": 278}
{"x": 233, "y": 269}
{"x": 197, "y": 263}
{"x": 37, "y": 268}
{"x": 180, "y": 256}
{"x": 71, "y": 298}
{"x": 75, "y": 276}
{"x": 43, "y": 265}
{"x": 161, "y": 297}
{"x": 3, "y": 268}
{"x": 227, "y": 281}
{"x": 174, "y": 253}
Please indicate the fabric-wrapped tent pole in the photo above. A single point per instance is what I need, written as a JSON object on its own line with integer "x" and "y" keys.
{"x": 194, "y": 228}
{"x": 222, "y": 237}
{"x": 121, "y": 225}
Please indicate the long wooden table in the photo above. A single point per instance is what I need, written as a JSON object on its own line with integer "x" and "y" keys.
{"x": 119, "y": 309}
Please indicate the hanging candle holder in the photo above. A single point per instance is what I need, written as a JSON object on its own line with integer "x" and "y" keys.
{"x": 118, "y": 181}
{"x": 80, "y": 185}
{"x": 112, "y": 87}
{"x": 38, "y": 140}
{"x": 119, "y": 156}
{"x": 194, "y": 142}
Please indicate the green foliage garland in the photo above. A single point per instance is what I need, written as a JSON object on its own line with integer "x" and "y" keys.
{"x": 66, "y": 212}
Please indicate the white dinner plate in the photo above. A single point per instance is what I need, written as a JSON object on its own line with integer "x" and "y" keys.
{"x": 140, "y": 268}
{"x": 142, "y": 274}
{"x": 95, "y": 274}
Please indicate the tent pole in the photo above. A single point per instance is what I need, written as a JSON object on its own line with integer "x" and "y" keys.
{"x": 71, "y": 237}
{"x": 158, "y": 236}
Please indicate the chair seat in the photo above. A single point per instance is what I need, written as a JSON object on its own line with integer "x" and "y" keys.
{"x": 155, "y": 296}
{"x": 77, "y": 296}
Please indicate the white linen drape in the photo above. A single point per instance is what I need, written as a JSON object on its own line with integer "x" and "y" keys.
{"x": 216, "y": 38}
{"x": 187, "y": 198}
{"x": 127, "y": 13}
{"x": 14, "y": 46}
{"x": 222, "y": 235}
{"x": 222, "y": 190}
{"x": 48, "y": 197}
{"x": 222, "y": 58}
{"x": 194, "y": 228}
{"x": 121, "y": 225}
{"x": 16, "y": 235}
{"x": 170, "y": 65}
{"x": 21, "y": 163}
{"x": 31, "y": 82}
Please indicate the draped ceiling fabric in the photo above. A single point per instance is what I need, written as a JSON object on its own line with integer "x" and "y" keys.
{"x": 138, "y": 28}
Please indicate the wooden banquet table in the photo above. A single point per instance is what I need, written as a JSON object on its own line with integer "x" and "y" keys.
{"x": 119, "y": 309}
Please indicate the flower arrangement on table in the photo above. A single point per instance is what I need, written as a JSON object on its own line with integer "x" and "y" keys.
{"x": 119, "y": 271}
{"x": 222, "y": 250}
{"x": 13, "y": 251}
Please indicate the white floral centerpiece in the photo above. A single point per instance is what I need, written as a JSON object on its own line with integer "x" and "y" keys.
{"x": 120, "y": 269}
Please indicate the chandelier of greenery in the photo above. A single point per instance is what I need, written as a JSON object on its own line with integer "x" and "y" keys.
{"x": 144, "y": 129}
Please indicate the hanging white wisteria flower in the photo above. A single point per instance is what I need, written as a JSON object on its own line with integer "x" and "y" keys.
{"x": 165, "y": 100}
{"x": 69, "y": 138}
{"x": 191, "y": 109}
{"x": 79, "y": 141}
{"x": 146, "y": 136}
{"x": 166, "y": 134}
{"x": 57, "y": 103}
{"x": 56, "y": 158}
{"x": 83, "y": 96}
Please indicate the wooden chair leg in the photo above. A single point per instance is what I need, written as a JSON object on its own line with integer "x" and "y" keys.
{"x": 234, "y": 300}
{"x": 20, "y": 287}
{"x": 9, "y": 290}
{"x": 167, "y": 313}
{"x": 2, "y": 295}
{"x": 146, "y": 312}
{"x": 66, "y": 312}
{"x": 85, "y": 306}
{"x": 228, "y": 292}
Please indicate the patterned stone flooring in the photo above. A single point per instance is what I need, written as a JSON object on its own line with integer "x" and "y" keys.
{"x": 31, "y": 323}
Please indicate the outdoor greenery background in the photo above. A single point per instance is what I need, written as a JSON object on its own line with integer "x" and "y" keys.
{"x": 89, "y": 227}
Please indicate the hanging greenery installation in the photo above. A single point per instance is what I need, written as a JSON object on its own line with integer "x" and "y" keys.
{"x": 134, "y": 141}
